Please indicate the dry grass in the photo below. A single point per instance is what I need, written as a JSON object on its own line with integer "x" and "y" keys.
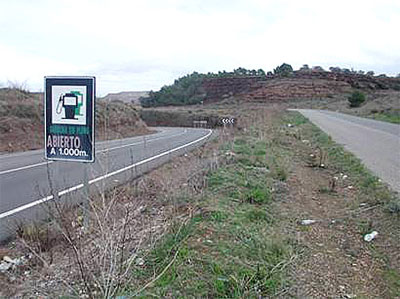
{"x": 223, "y": 221}
{"x": 65, "y": 257}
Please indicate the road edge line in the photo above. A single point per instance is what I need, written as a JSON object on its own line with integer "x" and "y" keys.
{"x": 74, "y": 188}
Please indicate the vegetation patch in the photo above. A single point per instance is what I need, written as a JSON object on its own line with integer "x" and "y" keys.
{"x": 387, "y": 117}
{"x": 356, "y": 99}
{"x": 230, "y": 248}
{"x": 188, "y": 90}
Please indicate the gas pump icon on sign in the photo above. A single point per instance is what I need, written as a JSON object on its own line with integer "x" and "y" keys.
{"x": 72, "y": 103}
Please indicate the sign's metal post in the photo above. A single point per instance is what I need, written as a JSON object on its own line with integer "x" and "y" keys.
{"x": 69, "y": 113}
{"x": 57, "y": 174}
{"x": 86, "y": 200}
{"x": 54, "y": 174}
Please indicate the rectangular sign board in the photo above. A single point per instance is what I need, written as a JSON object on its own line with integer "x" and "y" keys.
{"x": 69, "y": 114}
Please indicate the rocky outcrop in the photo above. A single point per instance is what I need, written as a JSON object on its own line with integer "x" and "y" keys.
{"x": 300, "y": 85}
{"x": 354, "y": 80}
{"x": 219, "y": 88}
{"x": 292, "y": 88}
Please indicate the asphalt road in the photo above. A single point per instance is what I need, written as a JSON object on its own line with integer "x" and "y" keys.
{"x": 376, "y": 143}
{"x": 28, "y": 181}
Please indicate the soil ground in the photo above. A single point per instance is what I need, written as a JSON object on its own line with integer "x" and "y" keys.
{"x": 332, "y": 259}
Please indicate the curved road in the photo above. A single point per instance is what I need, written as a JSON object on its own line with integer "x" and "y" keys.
{"x": 376, "y": 143}
{"x": 27, "y": 180}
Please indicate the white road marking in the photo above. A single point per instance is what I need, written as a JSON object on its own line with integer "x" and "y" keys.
{"x": 24, "y": 207}
{"x": 77, "y": 187}
{"x": 136, "y": 143}
{"x": 148, "y": 159}
{"x": 25, "y": 167}
{"x": 101, "y": 151}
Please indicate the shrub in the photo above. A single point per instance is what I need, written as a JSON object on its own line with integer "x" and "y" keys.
{"x": 356, "y": 99}
{"x": 284, "y": 70}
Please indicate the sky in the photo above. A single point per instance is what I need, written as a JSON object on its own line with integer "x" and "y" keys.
{"x": 144, "y": 45}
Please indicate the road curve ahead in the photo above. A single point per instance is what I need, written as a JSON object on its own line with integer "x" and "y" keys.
{"x": 376, "y": 143}
{"x": 28, "y": 181}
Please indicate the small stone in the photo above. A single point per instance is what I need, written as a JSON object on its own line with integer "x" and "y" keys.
{"x": 4, "y": 266}
{"x": 19, "y": 261}
{"x": 307, "y": 222}
{"x": 371, "y": 236}
{"x": 262, "y": 169}
{"x": 3, "y": 252}
{"x": 8, "y": 259}
{"x": 230, "y": 154}
{"x": 139, "y": 261}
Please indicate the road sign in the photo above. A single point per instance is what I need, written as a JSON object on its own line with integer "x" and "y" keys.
{"x": 69, "y": 118}
{"x": 228, "y": 121}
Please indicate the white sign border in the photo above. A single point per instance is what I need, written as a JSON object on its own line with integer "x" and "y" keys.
{"x": 93, "y": 78}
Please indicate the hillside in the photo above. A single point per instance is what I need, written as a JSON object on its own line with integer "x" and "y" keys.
{"x": 126, "y": 96}
{"x": 190, "y": 89}
{"x": 297, "y": 85}
{"x": 305, "y": 88}
{"x": 283, "y": 84}
{"x": 21, "y": 120}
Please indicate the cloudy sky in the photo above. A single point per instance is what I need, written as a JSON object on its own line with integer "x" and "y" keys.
{"x": 143, "y": 45}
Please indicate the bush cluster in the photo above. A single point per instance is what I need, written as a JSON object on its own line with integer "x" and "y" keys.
{"x": 356, "y": 99}
{"x": 188, "y": 90}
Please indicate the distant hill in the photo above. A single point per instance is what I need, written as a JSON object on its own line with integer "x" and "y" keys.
{"x": 126, "y": 96}
{"x": 280, "y": 85}
{"x": 21, "y": 120}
